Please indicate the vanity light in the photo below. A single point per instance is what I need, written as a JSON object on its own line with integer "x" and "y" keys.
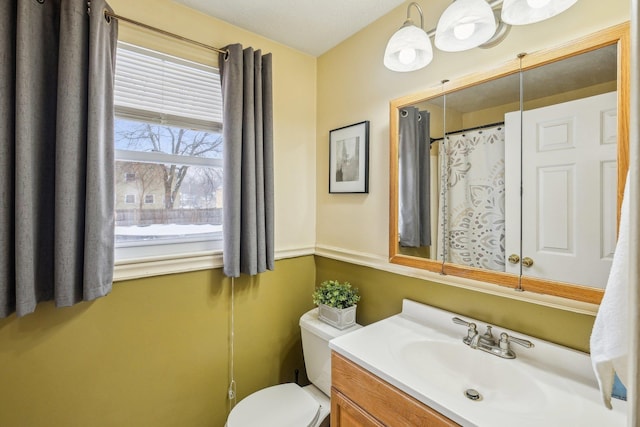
{"x": 522, "y": 12}
{"x": 409, "y": 48}
{"x": 465, "y": 24}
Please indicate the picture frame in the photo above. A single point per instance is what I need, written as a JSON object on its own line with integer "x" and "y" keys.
{"x": 349, "y": 159}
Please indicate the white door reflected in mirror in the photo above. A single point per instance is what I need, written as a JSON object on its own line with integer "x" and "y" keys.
{"x": 569, "y": 181}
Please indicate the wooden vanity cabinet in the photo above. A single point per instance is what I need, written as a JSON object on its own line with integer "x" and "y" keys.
{"x": 360, "y": 399}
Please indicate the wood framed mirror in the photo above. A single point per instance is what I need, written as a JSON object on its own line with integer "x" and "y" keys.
{"x": 579, "y": 70}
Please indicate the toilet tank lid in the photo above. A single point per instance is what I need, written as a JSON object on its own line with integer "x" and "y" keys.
{"x": 311, "y": 323}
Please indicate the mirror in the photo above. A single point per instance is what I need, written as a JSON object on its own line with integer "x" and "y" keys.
{"x": 546, "y": 240}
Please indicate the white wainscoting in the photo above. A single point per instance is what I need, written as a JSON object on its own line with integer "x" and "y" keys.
{"x": 135, "y": 269}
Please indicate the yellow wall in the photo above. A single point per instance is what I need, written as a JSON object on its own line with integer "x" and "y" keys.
{"x": 382, "y": 294}
{"x": 154, "y": 352}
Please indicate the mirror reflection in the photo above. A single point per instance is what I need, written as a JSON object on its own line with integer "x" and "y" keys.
{"x": 418, "y": 183}
{"x": 467, "y": 176}
{"x": 569, "y": 168}
{"x": 514, "y": 180}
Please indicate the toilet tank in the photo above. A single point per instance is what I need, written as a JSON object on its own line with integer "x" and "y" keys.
{"x": 315, "y": 345}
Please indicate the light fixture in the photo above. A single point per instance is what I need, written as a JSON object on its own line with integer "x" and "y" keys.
{"x": 465, "y": 24}
{"x": 409, "y": 48}
{"x": 522, "y": 12}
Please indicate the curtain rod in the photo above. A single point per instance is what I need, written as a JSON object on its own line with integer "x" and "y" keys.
{"x": 110, "y": 15}
{"x": 469, "y": 130}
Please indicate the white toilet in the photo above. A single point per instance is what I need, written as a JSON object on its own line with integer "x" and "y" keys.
{"x": 289, "y": 405}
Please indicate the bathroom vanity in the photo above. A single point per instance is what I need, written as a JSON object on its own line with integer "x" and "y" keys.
{"x": 419, "y": 368}
{"x": 359, "y": 398}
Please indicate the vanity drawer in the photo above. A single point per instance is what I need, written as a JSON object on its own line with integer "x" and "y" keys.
{"x": 359, "y": 398}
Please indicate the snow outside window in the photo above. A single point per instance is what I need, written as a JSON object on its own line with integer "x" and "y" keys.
{"x": 168, "y": 141}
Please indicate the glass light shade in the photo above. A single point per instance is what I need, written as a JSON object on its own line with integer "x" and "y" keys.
{"x": 465, "y": 24}
{"x": 522, "y": 12}
{"x": 408, "y": 49}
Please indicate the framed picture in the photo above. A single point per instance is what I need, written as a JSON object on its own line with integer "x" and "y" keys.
{"x": 349, "y": 159}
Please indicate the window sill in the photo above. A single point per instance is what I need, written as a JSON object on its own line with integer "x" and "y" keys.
{"x": 156, "y": 266}
{"x": 130, "y": 269}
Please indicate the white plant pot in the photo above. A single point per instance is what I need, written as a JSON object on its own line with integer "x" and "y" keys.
{"x": 340, "y": 318}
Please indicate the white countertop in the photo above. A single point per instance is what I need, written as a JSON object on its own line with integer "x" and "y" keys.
{"x": 420, "y": 351}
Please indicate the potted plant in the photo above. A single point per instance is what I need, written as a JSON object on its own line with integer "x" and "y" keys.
{"x": 336, "y": 303}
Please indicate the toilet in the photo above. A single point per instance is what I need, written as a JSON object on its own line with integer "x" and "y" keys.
{"x": 289, "y": 405}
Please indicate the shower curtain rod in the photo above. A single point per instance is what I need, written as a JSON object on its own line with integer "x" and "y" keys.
{"x": 110, "y": 15}
{"x": 470, "y": 129}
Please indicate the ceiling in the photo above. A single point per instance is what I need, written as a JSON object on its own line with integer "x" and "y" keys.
{"x": 310, "y": 26}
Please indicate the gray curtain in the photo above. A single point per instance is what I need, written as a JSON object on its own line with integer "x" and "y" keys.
{"x": 248, "y": 161}
{"x": 414, "y": 184}
{"x": 56, "y": 156}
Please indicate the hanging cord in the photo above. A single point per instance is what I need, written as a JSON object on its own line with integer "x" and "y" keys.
{"x": 232, "y": 384}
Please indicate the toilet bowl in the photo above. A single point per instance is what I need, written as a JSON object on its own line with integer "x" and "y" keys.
{"x": 289, "y": 405}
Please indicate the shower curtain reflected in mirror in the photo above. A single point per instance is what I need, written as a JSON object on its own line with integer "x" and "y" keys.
{"x": 473, "y": 199}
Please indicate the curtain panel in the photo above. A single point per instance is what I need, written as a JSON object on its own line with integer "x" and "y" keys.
{"x": 248, "y": 161}
{"x": 414, "y": 220}
{"x": 56, "y": 159}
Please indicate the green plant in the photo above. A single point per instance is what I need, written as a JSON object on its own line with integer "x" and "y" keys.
{"x": 336, "y": 294}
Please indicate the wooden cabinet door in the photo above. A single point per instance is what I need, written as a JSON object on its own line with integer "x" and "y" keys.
{"x": 363, "y": 399}
{"x": 345, "y": 413}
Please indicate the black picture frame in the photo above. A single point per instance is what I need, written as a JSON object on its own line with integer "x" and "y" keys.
{"x": 349, "y": 159}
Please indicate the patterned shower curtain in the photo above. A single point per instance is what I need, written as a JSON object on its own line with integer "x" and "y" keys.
{"x": 472, "y": 199}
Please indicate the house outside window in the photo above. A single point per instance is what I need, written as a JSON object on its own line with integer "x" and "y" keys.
{"x": 168, "y": 140}
{"x": 130, "y": 199}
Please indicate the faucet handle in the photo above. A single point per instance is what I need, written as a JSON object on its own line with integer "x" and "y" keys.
{"x": 459, "y": 321}
{"x": 522, "y": 342}
{"x": 505, "y": 347}
{"x": 471, "y": 332}
{"x": 507, "y": 339}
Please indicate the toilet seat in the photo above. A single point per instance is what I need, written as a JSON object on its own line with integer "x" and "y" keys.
{"x": 277, "y": 406}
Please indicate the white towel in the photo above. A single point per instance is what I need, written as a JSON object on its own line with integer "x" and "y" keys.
{"x": 609, "y": 338}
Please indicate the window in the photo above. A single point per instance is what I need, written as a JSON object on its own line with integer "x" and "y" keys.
{"x": 168, "y": 136}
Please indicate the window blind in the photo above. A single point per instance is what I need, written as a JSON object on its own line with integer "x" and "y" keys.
{"x": 152, "y": 86}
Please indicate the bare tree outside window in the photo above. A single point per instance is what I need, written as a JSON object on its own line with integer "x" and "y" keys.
{"x": 188, "y": 199}
{"x": 147, "y": 137}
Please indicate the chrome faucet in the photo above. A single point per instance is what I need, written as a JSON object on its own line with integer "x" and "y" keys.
{"x": 488, "y": 343}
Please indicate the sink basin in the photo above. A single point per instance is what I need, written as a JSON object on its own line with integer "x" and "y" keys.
{"x": 420, "y": 352}
{"x": 455, "y": 368}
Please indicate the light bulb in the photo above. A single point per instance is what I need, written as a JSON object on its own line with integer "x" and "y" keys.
{"x": 464, "y": 31}
{"x": 407, "y": 56}
{"x": 537, "y": 4}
